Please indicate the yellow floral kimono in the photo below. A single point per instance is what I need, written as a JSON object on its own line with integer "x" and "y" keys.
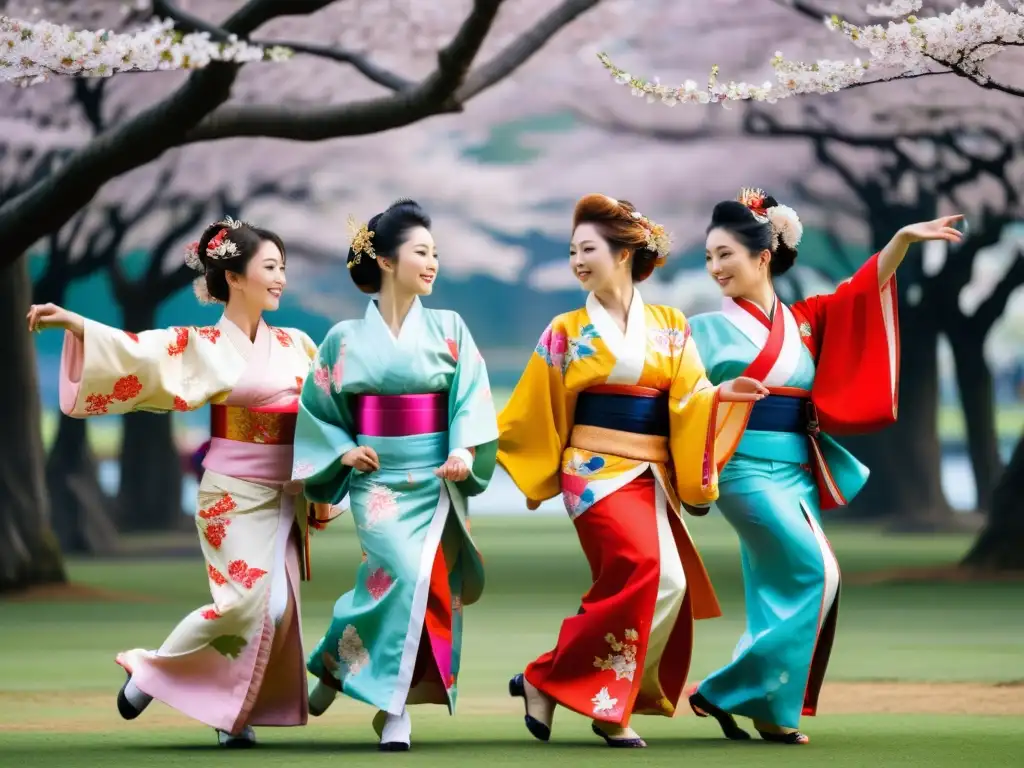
{"x": 625, "y": 426}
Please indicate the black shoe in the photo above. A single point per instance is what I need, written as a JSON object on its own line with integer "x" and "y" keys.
{"x": 537, "y": 729}
{"x": 124, "y": 707}
{"x": 703, "y": 708}
{"x": 620, "y": 743}
{"x": 793, "y": 737}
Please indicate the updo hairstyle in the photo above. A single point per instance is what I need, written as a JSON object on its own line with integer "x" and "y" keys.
{"x": 769, "y": 226}
{"x": 247, "y": 240}
{"x": 389, "y": 230}
{"x": 620, "y": 228}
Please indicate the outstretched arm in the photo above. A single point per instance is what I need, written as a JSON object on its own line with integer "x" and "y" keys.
{"x": 895, "y": 250}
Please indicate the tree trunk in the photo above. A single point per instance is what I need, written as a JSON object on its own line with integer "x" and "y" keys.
{"x": 977, "y": 400}
{"x": 1000, "y": 546}
{"x": 29, "y": 552}
{"x": 81, "y": 510}
{"x": 149, "y": 498}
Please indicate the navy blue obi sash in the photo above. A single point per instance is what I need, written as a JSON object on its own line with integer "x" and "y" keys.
{"x": 623, "y": 412}
{"x": 782, "y": 413}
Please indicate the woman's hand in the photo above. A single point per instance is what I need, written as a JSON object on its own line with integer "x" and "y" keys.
{"x": 454, "y": 469}
{"x": 363, "y": 458}
{"x": 43, "y": 316}
{"x": 742, "y": 389}
{"x": 937, "y": 229}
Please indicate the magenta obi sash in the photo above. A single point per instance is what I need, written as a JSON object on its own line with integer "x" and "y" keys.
{"x": 401, "y": 415}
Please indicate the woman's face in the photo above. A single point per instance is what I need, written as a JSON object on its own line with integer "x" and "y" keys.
{"x": 263, "y": 282}
{"x": 415, "y": 269}
{"x": 592, "y": 261}
{"x": 737, "y": 271}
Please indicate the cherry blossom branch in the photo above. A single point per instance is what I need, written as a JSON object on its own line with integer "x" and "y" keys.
{"x": 958, "y": 43}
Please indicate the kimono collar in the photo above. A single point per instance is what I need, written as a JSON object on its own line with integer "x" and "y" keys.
{"x": 239, "y": 338}
{"x": 410, "y": 325}
{"x": 622, "y": 345}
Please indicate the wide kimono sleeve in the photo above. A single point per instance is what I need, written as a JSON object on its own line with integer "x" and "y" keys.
{"x": 325, "y": 429}
{"x": 854, "y": 335}
{"x": 534, "y": 425}
{"x": 110, "y": 371}
{"x": 472, "y": 422}
{"x": 696, "y": 441}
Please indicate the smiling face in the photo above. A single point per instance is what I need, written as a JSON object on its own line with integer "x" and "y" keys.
{"x": 415, "y": 269}
{"x": 592, "y": 260}
{"x": 737, "y": 271}
{"x": 264, "y": 281}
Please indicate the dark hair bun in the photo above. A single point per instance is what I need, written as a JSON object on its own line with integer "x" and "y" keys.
{"x": 246, "y": 239}
{"x": 390, "y": 229}
{"x": 756, "y": 236}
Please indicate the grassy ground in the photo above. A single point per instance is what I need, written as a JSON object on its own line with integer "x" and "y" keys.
{"x": 922, "y": 675}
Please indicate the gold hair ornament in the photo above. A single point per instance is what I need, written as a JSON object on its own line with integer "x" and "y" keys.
{"x": 362, "y": 241}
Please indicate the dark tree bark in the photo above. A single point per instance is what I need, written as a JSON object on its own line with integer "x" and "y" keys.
{"x": 1000, "y": 546}
{"x": 81, "y": 509}
{"x": 29, "y": 552}
{"x": 149, "y": 498}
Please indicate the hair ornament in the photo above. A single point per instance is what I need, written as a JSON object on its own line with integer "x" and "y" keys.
{"x": 362, "y": 241}
{"x": 192, "y": 259}
{"x": 202, "y": 291}
{"x": 658, "y": 240}
{"x": 786, "y": 225}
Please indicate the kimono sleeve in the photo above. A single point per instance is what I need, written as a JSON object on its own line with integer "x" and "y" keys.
{"x": 697, "y": 442}
{"x": 853, "y": 334}
{"x": 534, "y": 425}
{"x": 472, "y": 422}
{"x": 110, "y": 371}
{"x": 324, "y": 430}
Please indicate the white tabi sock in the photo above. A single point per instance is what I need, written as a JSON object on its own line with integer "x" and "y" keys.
{"x": 397, "y": 729}
{"x": 320, "y": 698}
{"x": 136, "y": 697}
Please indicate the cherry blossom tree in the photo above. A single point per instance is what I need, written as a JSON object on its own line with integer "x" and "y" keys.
{"x": 920, "y": 40}
{"x": 490, "y": 40}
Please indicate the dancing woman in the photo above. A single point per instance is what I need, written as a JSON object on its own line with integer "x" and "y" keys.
{"x": 831, "y": 364}
{"x": 614, "y": 412}
{"x": 397, "y": 413}
{"x": 236, "y": 662}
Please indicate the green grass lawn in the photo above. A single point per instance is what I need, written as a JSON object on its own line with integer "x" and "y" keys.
{"x": 58, "y": 679}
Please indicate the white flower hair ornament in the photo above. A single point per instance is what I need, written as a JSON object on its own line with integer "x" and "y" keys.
{"x": 219, "y": 247}
{"x": 786, "y": 225}
{"x": 658, "y": 240}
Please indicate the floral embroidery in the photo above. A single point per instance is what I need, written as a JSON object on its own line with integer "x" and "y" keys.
{"x": 302, "y": 470}
{"x": 322, "y": 378}
{"x": 805, "y": 330}
{"x": 552, "y": 346}
{"x": 578, "y": 348}
{"x": 623, "y": 661}
{"x": 180, "y": 342}
{"x": 212, "y": 522}
{"x": 351, "y": 651}
{"x": 180, "y": 404}
{"x": 240, "y": 572}
{"x": 132, "y": 336}
{"x": 603, "y": 701}
{"x": 578, "y": 464}
{"x": 210, "y": 614}
{"x": 282, "y": 336}
{"x": 575, "y": 495}
{"x": 216, "y": 576}
{"x": 667, "y": 341}
{"x": 209, "y": 333}
{"x": 453, "y": 349}
{"x": 338, "y": 370}
{"x": 381, "y": 506}
{"x": 229, "y": 645}
{"x": 126, "y": 388}
{"x": 378, "y": 583}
